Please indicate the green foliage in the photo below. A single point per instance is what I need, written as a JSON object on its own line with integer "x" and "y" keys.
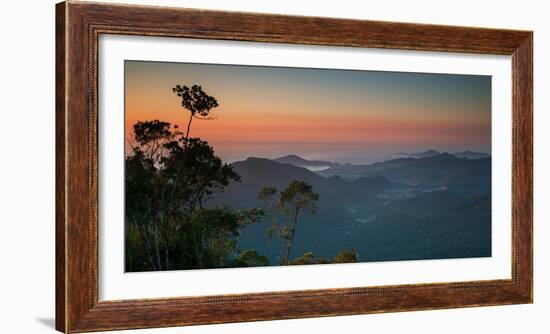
{"x": 308, "y": 258}
{"x": 266, "y": 194}
{"x": 168, "y": 180}
{"x": 252, "y": 259}
{"x": 344, "y": 256}
{"x": 250, "y": 216}
{"x": 140, "y": 173}
{"x": 297, "y": 196}
{"x": 194, "y": 171}
{"x": 296, "y": 199}
{"x": 267, "y": 197}
{"x": 136, "y": 256}
{"x": 208, "y": 236}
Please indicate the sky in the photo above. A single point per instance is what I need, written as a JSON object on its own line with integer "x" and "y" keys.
{"x": 336, "y": 115}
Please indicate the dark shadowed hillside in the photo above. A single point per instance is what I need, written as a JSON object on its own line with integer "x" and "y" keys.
{"x": 401, "y": 209}
{"x": 440, "y": 170}
{"x": 259, "y": 172}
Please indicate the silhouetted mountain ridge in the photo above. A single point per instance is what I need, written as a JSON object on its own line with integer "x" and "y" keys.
{"x": 299, "y": 161}
{"x": 471, "y": 155}
{"x": 430, "y": 153}
{"x": 261, "y": 172}
{"x": 403, "y": 208}
{"x": 443, "y": 169}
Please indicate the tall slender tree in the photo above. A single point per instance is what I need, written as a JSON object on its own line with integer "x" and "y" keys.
{"x": 197, "y": 102}
{"x": 297, "y": 199}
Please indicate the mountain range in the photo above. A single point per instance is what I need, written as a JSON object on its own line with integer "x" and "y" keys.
{"x": 293, "y": 159}
{"x": 440, "y": 170}
{"x": 437, "y": 206}
{"x": 430, "y": 153}
{"x": 346, "y": 170}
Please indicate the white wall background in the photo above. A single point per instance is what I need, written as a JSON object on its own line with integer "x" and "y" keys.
{"x": 27, "y": 69}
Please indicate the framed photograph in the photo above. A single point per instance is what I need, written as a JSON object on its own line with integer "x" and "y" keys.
{"x": 223, "y": 167}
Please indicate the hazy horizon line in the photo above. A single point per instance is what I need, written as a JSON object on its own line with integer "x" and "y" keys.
{"x": 390, "y": 157}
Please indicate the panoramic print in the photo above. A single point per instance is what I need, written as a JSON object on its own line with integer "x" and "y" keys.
{"x": 230, "y": 166}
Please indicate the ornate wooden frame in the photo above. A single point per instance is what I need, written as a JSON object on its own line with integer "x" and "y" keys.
{"x": 78, "y": 25}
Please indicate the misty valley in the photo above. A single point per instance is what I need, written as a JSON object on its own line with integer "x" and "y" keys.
{"x": 426, "y": 206}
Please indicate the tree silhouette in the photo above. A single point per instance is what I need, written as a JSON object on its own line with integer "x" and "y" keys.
{"x": 168, "y": 180}
{"x": 197, "y": 102}
{"x": 346, "y": 256}
{"x": 145, "y": 207}
{"x": 208, "y": 235}
{"x": 195, "y": 171}
{"x": 150, "y": 137}
{"x": 251, "y": 258}
{"x": 296, "y": 199}
{"x": 267, "y": 197}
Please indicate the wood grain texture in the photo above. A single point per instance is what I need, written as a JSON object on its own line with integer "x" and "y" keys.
{"x": 60, "y": 98}
{"x": 78, "y": 27}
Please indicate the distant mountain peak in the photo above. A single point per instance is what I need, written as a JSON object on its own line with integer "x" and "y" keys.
{"x": 254, "y": 159}
{"x": 444, "y": 155}
{"x": 471, "y": 155}
{"x": 296, "y": 160}
{"x": 267, "y": 170}
{"x": 425, "y": 154}
{"x": 290, "y": 156}
{"x": 468, "y": 154}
